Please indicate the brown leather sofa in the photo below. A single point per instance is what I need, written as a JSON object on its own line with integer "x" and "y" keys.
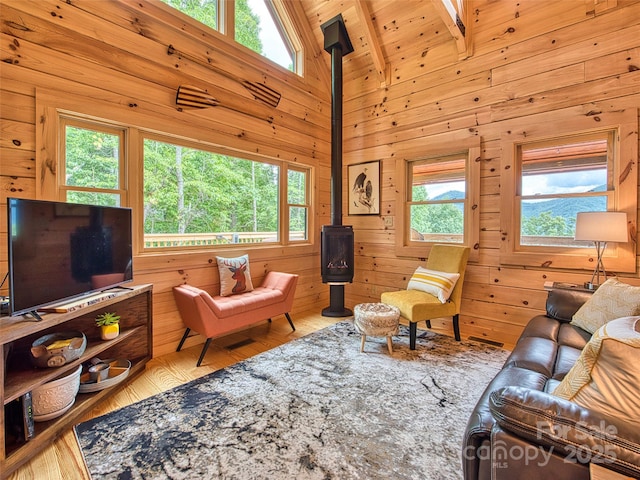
{"x": 518, "y": 430}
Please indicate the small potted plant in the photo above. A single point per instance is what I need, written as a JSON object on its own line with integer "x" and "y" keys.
{"x": 109, "y": 326}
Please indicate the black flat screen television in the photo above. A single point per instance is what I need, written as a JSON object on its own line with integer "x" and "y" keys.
{"x": 61, "y": 251}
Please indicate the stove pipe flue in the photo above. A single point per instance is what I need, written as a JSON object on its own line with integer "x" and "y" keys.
{"x": 337, "y": 43}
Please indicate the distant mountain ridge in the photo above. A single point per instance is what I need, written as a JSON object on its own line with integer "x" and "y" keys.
{"x": 566, "y": 208}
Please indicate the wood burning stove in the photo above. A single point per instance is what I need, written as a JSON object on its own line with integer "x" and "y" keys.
{"x": 337, "y": 254}
{"x": 336, "y": 239}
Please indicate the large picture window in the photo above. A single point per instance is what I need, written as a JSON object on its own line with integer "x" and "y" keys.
{"x": 185, "y": 193}
{"x": 560, "y": 166}
{"x": 197, "y": 197}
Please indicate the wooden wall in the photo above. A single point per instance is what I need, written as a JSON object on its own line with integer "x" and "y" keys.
{"x": 115, "y": 53}
{"x": 531, "y": 61}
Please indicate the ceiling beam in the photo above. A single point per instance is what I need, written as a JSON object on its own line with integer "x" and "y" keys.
{"x": 452, "y": 15}
{"x": 379, "y": 63}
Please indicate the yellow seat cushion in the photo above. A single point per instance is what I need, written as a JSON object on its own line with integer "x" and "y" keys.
{"x": 417, "y": 306}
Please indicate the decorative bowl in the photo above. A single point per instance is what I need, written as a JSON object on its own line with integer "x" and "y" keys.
{"x": 53, "y": 398}
{"x": 118, "y": 371}
{"x": 56, "y": 349}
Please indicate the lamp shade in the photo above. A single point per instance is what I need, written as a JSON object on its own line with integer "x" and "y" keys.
{"x": 602, "y": 227}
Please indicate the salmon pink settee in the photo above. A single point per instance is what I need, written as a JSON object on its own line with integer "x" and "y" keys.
{"x": 215, "y": 316}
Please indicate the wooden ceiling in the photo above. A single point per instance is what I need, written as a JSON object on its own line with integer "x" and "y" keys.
{"x": 386, "y": 34}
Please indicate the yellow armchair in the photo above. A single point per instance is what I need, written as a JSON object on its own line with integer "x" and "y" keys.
{"x": 416, "y": 306}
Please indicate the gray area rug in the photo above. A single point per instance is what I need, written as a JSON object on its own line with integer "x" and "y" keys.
{"x": 314, "y": 408}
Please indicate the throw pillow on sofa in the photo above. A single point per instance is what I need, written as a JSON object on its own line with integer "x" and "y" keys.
{"x": 438, "y": 284}
{"x": 235, "y": 276}
{"x": 613, "y": 299}
{"x": 606, "y": 376}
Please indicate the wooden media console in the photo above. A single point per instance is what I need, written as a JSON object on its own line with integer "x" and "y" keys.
{"x": 18, "y": 377}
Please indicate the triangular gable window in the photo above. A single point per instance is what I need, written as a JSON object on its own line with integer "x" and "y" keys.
{"x": 256, "y": 24}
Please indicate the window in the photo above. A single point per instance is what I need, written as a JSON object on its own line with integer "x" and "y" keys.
{"x": 92, "y": 171}
{"x": 205, "y": 11}
{"x": 184, "y": 193}
{"x": 298, "y": 203}
{"x": 559, "y": 166}
{"x": 558, "y": 179}
{"x": 197, "y": 197}
{"x": 256, "y": 24}
{"x": 258, "y": 27}
{"x": 440, "y": 199}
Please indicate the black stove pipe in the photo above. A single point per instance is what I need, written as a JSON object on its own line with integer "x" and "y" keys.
{"x": 337, "y": 43}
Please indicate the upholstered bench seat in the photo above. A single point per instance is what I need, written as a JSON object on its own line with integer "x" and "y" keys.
{"x": 214, "y": 315}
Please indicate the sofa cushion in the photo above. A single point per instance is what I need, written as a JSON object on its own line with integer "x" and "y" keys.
{"x": 606, "y": 376}
{"x": 481, "y": 421}
{"x": 565, "y": 360}
{"x": 551, "y": 385}
{"x": 543, "y": 327}
{"x": 534, "y": 353}
{"x": 573, "y": 336}
{"x": 438, "y": 284}
{"x": 235, "y": 276}
{"x": 612, "y": 300}
{"x": 234, "y": 305}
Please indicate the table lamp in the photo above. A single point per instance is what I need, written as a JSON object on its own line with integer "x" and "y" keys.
{"x": 600, "y": 228}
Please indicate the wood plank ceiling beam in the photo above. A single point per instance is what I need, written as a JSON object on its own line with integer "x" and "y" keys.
{"x": 452, "y": 16}
{"x": 379, "y": 63}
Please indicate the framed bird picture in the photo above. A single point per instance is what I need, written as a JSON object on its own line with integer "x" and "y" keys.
{"x": 364, "y": 188}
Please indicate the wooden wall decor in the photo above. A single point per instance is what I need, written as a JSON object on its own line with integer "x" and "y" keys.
{"x": 194, "y": 97}
{"x": 259, "y": 91}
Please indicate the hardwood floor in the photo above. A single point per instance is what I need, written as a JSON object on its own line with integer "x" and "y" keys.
{"x": 63, "y": 460}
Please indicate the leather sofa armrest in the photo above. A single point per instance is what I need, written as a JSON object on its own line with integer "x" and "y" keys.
{"x": 514, "y": 457}
{"x": 578, "y": 433}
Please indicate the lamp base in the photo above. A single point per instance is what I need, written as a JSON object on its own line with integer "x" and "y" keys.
{"x": 590, "y": 286}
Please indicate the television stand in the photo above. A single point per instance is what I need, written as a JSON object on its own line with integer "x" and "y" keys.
{"x": 36, "y": 316}
{"x": 18, "y": 377}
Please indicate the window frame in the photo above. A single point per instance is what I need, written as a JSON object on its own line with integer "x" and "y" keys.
{"x": 460, "y": 158}
{"x": 288, "y": 206}
{"x": 548, "y": 129}
{"x": 608, "y": 194}
{"x": 469, "y": 148}
{"x": 74, "y": 121}
{"x": 226, "y": 25}
{"x": 52, "y": 108}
